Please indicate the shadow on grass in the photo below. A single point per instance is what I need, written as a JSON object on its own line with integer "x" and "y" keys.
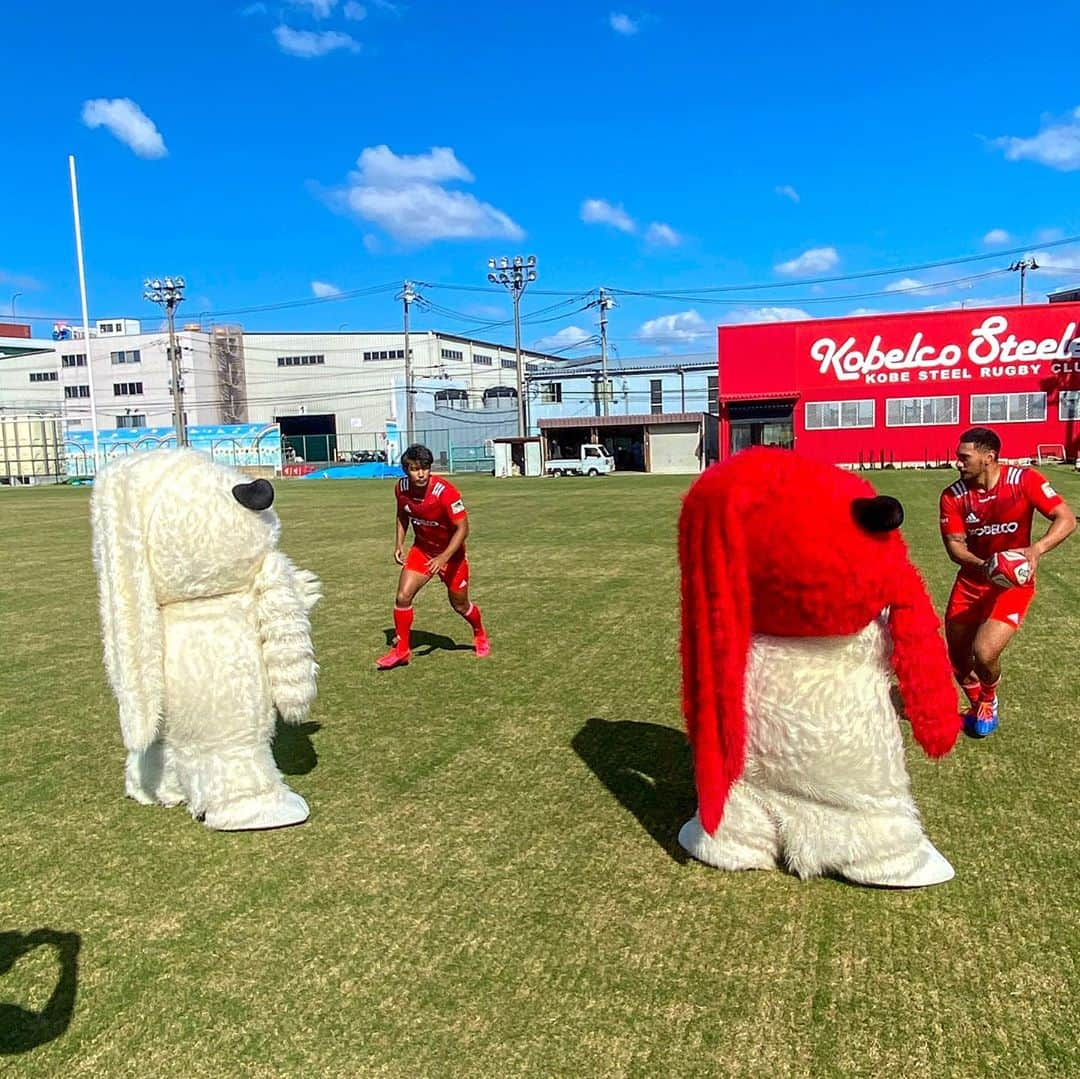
{"x": 649, "y": 769}
{"x": 429, "y": 642}
{"x": 23, "y": 1029}
{"x": 293, "y": 750}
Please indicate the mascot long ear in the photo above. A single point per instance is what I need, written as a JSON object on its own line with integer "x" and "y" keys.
{"x": 715, "y": 641}
{"x": 130, "y": 618}
{"x": 922, "y": 668}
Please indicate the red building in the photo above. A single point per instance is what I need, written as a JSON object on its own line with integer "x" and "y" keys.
{"x": 897, "y": 389}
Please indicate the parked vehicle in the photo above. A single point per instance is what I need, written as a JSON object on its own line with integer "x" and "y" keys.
{"x": 592, "y": 460}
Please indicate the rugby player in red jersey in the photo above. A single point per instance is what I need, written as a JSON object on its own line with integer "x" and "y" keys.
{"x": 440, "y": 525}
{"x": 990, "y": 509}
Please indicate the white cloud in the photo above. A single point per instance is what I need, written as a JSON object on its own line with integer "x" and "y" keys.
{"x": 323, "y": 289}
{"x": 1047, "y": 236}
{"x": 388, "y": 5}
{"x": 859, "y": 312}
{"x": 404, "y": 195}
{"x": 676, "y": 329}
{"x": 381, "y": 166}
{"x": 914, "y": 285}
{"x": 354, "y": 11}
{"x": 127, "y": 122}
{"x": 816, "y": 260}
{"x": 788, "y": 192}
{"x": 623, "y": 24}
{"x": 905, "y": 284}
{"x": 371, "y": 244}
{"x": 568, "y": 338}
{"x": 601, "y": 212}
{"x": 254, "y": 9}
{"x": 660, "y": 235}
{"x": 1057, "y": 145}
{"x": 768, "y": 314}
{"x": 321, "y": 9}
{"x": 996, "y": 237}
{"x": 308, "y": 44}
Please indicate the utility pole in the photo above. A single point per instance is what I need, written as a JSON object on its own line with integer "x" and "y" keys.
{"x": 407, "y": 296}
{"x": 604, "y": 303}
{"x": 515, "y": 274}
{"x": 169, "y": 293}
{"x": 1023, "y": 265}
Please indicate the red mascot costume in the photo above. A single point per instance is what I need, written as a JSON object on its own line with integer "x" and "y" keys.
{"x": 799, "y": 602}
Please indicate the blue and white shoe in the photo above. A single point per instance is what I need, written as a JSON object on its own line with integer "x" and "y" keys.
{"x": 982, "y": 720}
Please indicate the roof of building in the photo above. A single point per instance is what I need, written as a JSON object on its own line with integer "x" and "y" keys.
{"x": 1068, "y": 290}
{"x": 616, "y": 365}
{"x": 652, "y": 419}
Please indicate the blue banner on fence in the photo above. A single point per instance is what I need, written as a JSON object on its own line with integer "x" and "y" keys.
{"x": 235, "y": 444}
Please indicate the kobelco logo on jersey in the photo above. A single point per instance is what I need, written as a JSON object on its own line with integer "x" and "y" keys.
{"x": 994, "y": 530}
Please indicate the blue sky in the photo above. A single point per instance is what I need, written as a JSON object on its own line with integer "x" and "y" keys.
{"x": 279, "y": 153}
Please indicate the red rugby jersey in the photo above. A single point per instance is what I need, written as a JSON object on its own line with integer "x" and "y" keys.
{"x": 434, "y": 511}
{"x": 998, "y": 519}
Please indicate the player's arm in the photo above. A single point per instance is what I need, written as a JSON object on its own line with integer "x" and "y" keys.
{"x": 401, "y": 528}
{"x": 957, "y": 549}
{"x": 455, "y": 510}
{"x": 953, "y": 535}
{"x": 1053, "y": 507}
{"x": 1062, "y": 526}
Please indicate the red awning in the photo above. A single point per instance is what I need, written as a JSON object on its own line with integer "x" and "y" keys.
{"x": 790, "y": 395}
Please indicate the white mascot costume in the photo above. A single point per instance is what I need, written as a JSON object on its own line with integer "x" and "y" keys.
{"x": 799, "y": 604}
{"x": 206, "y": 635}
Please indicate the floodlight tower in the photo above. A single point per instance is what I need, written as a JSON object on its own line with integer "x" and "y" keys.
{"x": 515, "y": 275}
{"x": 169, "y": 293}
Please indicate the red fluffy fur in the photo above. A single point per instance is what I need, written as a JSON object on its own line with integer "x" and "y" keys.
{"x": 768, "y": 544}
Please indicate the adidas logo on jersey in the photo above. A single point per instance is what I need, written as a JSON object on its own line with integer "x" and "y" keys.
{"x": 971, "y": 519}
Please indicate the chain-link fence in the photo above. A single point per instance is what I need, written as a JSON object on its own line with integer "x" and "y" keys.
{"x": 464, "y": 447}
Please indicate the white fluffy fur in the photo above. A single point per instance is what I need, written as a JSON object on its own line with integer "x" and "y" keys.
{"x": 825, "y": 788}
{"x": 206, "y": 634}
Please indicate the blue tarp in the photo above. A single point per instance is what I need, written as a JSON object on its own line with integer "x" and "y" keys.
{"x": 374, "y": 470}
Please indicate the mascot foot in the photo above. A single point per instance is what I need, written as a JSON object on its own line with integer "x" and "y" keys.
{"x": 925, "y": 867}
{"x": 277, "y": 810}
{"x": 721, "y": 850}
{"x": 149, "y": 779}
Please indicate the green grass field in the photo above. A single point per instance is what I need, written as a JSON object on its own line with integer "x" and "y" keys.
{"x": 489, "y": 884}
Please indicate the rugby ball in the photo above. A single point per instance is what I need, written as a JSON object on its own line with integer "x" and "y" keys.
{"x": 1008, "y": 569}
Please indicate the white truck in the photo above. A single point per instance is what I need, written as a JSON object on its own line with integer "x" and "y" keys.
{"x": 592, "y": 460}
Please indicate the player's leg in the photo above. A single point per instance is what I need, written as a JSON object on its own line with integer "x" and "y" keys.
{"x": 410, "y": 582}
{"x": 962, "y": 619}
{"x": 1006, "y": 614}
{"x": 456, "y": 577}
{"x": 990, "y": 642}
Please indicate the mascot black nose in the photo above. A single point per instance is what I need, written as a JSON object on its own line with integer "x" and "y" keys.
{"x": 881, "y": 514}
{"x": 257, "y": 495}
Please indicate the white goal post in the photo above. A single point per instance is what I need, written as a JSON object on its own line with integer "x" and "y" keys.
{"x": 1050, "y": 453}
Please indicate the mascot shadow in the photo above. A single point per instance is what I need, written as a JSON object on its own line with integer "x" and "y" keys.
{"x": 293, "y": 749}
{"x": 423, "y": 644}
{"x": 648, "y": 768}
{"x": 23, "y": 1029}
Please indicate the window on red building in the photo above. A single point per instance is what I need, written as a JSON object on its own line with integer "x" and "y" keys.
{"x": 825, "y": 415}
{"x": 921, "y": 411}
{"x": 1008, "y": 407}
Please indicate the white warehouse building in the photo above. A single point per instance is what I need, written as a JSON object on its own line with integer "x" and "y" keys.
{"x": 347, "y": 385}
